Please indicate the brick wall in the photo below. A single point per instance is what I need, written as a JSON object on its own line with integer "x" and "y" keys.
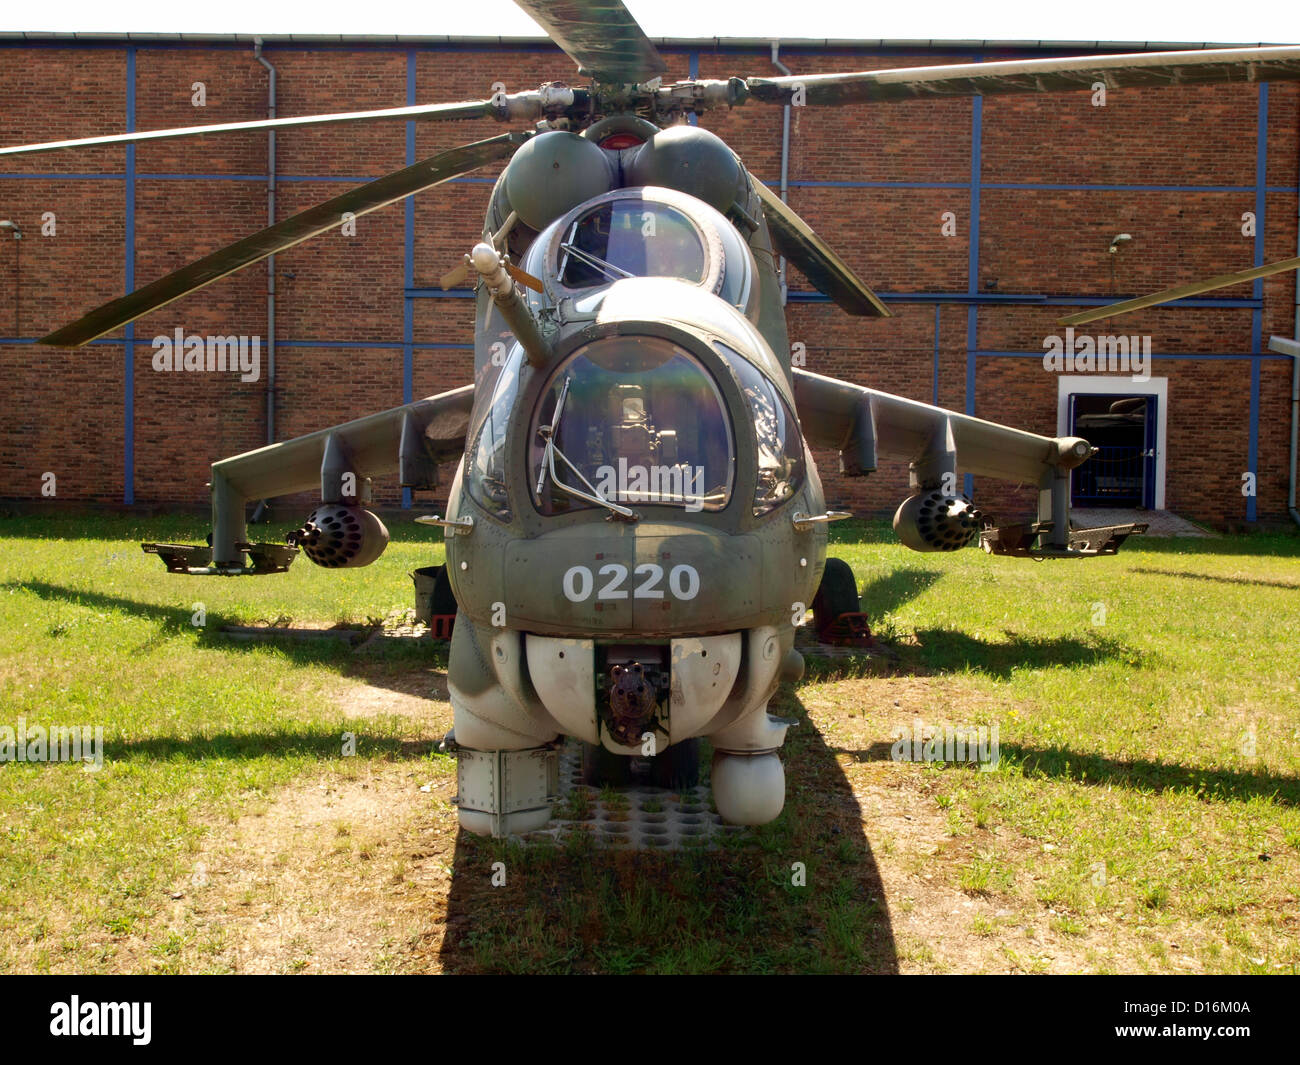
{"x": 875, "y": 181}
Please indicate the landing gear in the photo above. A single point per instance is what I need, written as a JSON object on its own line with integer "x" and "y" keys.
{"x": 836, "y": 616}
{"x": 678, "y": 767}
{"x": 675, "y": 769}
{"x": 601, "y": 767}
{"x": 836, "y": 595}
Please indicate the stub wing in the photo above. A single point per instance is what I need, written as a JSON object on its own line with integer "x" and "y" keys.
{"x": 410, "y": 440}
{"x": 939, "y": 445}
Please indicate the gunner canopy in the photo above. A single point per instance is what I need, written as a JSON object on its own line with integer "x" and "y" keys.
{"x": 631, "y": 421}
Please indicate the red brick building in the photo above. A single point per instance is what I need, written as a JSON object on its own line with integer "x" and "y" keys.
{"x": 980, "y": 221}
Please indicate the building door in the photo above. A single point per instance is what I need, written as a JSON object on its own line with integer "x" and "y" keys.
{"x": 1124, "y": 429}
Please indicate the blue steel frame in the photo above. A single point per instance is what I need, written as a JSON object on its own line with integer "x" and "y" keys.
{"x": 972, "y": 297}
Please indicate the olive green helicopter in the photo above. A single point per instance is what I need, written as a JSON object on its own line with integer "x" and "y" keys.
{"x": 636, "y": 526}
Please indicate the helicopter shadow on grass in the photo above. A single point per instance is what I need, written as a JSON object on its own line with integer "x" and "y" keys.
{"x": 407, "y": 666}
{"x": 952, "y": 651}
{"x": 572, "y": 908}
{"x": 1258, "y": 582}
{"x": 575, "y": 907}
{"x": 1210, "y": 784}
{"x": 885, "y": 594}
{"x": 1284, "y": 544}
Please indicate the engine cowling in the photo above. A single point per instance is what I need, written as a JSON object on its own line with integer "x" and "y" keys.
{"x": 933, "y": 521}
{"x": 338, "y": 536}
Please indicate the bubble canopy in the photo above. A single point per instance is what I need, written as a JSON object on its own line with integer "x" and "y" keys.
{"x": 632, "y": 421}
{"x": 644, "y": 232}
{"x": 631, "y": 238}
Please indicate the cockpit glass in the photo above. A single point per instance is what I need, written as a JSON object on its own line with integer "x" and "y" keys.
{"x": 485, "y": 461}
{"x": 631, "y": 238}
{"x": 779, "y": 444}
{"x": 631, "y": 421}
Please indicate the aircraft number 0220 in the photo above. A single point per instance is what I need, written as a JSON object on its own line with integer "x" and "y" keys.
{"x": 610, "y": 582}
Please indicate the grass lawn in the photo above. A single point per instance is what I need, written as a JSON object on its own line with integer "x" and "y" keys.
{"x": 1143, "y": 814}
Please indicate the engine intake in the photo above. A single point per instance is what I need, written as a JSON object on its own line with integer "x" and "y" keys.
{"x": 933, "y": 521}
{"x": 338, "y": 536}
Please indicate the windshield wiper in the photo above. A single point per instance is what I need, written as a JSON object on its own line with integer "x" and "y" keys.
{"x": 614, "y": 273}
{"x": 651, "y": 496}
{"x": 593, "y": 495}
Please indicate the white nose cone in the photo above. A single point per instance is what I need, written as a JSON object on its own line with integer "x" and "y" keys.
{"x": 748, "y": 789}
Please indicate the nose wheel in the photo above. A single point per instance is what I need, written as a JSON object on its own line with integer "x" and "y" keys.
{"x": 676, "y": 768}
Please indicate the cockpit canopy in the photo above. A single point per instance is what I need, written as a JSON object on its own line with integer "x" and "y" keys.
{"x": 634, "y": 420}
{"x": 631, "y": 238}
{"x": 643, "y": 232}
{"x": 631, "y": 420}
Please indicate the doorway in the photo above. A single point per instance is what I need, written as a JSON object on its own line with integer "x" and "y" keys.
{"x": 1122, "y": 471}
{"x": 1126, "y": 422}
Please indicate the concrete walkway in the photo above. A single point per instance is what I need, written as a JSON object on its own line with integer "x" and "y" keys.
{"x": 1162, "y": 522}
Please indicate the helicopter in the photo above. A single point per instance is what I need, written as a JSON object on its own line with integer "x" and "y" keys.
{"x": 636, "y": 526}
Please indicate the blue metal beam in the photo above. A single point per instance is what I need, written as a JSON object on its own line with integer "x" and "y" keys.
{"x": 1257, "y": 315}
{"x": 1229, "y": 356}
{"x": 938, "y": 307}
{"x": 128, "y": 339}
{"x": 973, "y": 259}
{"x": 694, "y": 72}
{"x": 408, "y": 259}
{"x": 52, "y": 175}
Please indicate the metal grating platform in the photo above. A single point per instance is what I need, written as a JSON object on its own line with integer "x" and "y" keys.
{"x": 1159, "y": 522}
{"x": 637, "y": 818}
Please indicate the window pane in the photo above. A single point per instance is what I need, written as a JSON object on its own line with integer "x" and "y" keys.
{"x": 631, "y": 237}
{"x": 776, "y": 433}
{"x": 486, "y": 461}
{"x": 642, "y": 422}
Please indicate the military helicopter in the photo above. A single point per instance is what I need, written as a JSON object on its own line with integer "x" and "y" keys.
{"x": 636, "y": 525}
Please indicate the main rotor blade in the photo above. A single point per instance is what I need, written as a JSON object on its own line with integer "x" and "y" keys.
{"x": 303, "y": 226}
{"x": 468, "y": 109}
{"x": 601, "y": 36}
{"x": 793, "y": 238}
{"x": 1179, "y": 292}
{"x": 1205, "y": 67}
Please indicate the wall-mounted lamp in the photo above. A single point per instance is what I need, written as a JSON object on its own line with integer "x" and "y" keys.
{"x": 1116, "y": 242}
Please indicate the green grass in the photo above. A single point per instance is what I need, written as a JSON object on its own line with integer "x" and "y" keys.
{"x": 195, "y": 726}
{"x": 1149, "y": 715}
{"x": 1147, "y": 791}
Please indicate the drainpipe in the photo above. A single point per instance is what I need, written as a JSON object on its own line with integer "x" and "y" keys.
{"x": 270, "y": 262}
{"x": 1295, "y": 371}
{"x": 1295, "y": 416}
{"x": 18, "y": 274}
{"x": 785, "y": 156}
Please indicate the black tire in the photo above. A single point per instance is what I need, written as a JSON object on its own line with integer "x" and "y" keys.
{"x": 837, "y": 594}
{"x": 601, "y": 767}
{"x": 678, "y": 767}
{"x": 443, "y": 601}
